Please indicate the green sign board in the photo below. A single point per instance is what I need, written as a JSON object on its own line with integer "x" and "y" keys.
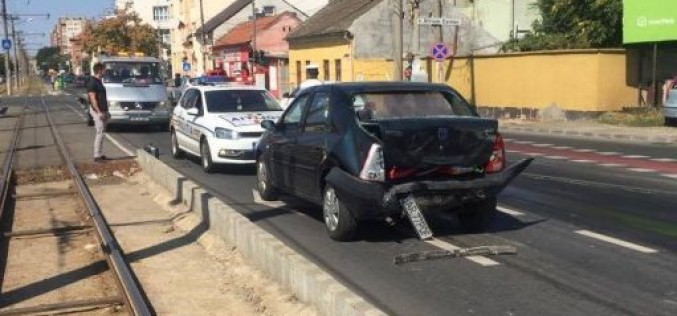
{"x": 649, "y": 21}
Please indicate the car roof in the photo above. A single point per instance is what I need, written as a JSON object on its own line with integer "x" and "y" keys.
{"x": 222, "y": 87}
{"x": 381, "y": 86}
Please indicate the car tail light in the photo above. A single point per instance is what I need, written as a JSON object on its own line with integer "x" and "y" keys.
{"x": 497, "y": 161}
{"x": 373, "y": 168}
{"x": 395, "y": 173}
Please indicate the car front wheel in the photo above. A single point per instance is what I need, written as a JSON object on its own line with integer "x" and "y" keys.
{"x": 478, "y": 216}
{"x": 206, "y": 157}
{"x": 340, "y": 223}
{"x": 266, "y": 190}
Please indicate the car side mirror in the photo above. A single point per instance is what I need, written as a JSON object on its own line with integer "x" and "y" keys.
{"x": 193, "y": 112}
{"x": 286, "y": 95}
{"x": 268, "y": 125}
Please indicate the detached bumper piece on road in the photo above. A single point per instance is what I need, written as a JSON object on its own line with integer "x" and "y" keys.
{"x": 457, "y": 253}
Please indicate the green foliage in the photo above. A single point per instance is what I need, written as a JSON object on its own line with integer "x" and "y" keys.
{"x": 124, "y": 32}
{"x": 50, "y": 57}
{"x": 568, "y": 24}
{"x": 650, "y": 117}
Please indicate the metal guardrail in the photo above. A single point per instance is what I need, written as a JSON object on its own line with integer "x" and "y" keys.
{"x": 136, "y": 303}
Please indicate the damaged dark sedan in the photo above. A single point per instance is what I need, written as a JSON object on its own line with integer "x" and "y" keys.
{"x": 385, "y": 150}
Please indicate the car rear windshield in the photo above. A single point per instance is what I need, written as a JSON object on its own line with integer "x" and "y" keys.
{"x": 224, "y": 101}
{"x": 384, "y": 105}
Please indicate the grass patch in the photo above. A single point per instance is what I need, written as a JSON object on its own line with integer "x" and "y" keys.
{"x": 651, "y": 117}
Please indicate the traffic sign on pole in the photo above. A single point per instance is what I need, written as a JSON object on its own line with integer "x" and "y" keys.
{"x": 440, "y": 51}
{"x": 6, "y": 43}
{"x": 439, "y": 21}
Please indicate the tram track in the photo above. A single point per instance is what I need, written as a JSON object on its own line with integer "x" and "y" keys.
{"x": 70, "y": 224}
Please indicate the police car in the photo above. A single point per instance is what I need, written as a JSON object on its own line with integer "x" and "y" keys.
{"x": 221, "y": 124}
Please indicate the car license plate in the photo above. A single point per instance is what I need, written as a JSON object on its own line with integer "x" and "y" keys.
{"x": 416, "y": 217}
{"x": 139, "y": 118}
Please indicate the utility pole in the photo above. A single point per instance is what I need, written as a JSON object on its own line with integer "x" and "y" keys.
{"x": 396, "y": 21}
{"x": 204, "y": 39}
{"x": 253, "y": 72}
{"x": 16, "y": 57}
{"x": 416, "y": 30}
{"x": 7, "y": 75}
{"x": 437, "y": 11}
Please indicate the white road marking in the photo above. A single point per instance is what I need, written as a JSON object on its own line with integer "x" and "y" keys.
{"x": 535, "y": 154}
{"x": 641, "y": 170}
{"x": 584, "y": 150}
{"x": 613, "y": 165}
{"x": 511, "y": 151}
{"x": 543, "y": 145}
{"x": 608, "y": 153}
{"x": 120, "y": 146}
{"x": 616, "y": 241}
{"x": 556, "y": 157}
{"x": 561, "y": 147}
{"x": 636, "y": 156}
{"x": 110, "y": 138}
{"x": 664, "y": 159}
{"x": 483, "y": 261}
{"x": 583, "y": 161}
{"x": 523, "y": 142}
{"x": 259, "y": 200}
{"x": 508, "y": 140}
{"x": 509, "y": 211}
{"x": 673, "y": 176}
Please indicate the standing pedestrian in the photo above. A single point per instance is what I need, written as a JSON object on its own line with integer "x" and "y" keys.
{"x": 98, "y": 109}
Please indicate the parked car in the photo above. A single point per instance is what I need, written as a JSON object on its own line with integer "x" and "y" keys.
{"x": 360, "y": 149}
{"x": 221, "y": 124}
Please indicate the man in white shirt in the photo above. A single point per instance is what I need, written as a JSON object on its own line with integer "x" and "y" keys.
{"x": 312, "y": 72}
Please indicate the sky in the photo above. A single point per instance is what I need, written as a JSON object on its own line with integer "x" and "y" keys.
{"x": 55, "y": 9}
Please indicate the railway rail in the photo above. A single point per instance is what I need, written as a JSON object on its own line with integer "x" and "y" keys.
{"x": 129, "y": 294}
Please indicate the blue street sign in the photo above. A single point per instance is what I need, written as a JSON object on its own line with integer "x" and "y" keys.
{"x": 186, "y": 66}
{"x": 440, "y": 51}
{"x": 6, "y": 44}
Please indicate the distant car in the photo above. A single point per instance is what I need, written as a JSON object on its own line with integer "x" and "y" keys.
{"x": 360, "y": 149}
{"x": 221, "y": 124}
{"x": 670, "y": 108}
{"x": 80, "y": 81}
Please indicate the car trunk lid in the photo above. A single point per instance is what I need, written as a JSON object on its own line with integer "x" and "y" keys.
{"x": 426, "y": 142}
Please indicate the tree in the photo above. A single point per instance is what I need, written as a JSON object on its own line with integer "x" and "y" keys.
{"x": 124, "y": 32}
{"x": 50, "y": 57}
{"x": 568, "y": 24}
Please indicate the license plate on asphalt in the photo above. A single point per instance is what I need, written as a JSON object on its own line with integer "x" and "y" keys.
{"x": 416, "y": 217}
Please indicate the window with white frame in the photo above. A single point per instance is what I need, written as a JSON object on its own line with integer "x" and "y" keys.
{"x": 161, "y": 13}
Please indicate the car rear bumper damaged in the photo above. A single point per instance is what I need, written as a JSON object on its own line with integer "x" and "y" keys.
{"x": 367, "y": 199}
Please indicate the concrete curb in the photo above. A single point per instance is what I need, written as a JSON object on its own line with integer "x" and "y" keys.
{"x": 283, "y": 265}
{"x": 662, "y": 139}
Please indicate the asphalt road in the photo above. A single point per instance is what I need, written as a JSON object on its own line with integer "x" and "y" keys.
{"x": 553, "y": 214}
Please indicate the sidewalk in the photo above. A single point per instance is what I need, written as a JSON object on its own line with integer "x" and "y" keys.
{"x": 592, "y": 129}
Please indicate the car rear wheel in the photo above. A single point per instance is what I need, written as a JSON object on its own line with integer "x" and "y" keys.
{"x": 670, "y": 121}
{"x": 266, "y": 190}
{"x": 340, "y": 223}
{"x": 478, "y": 216}
{"x": 177, "y": 153}
{"x": 206, "y": 157}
